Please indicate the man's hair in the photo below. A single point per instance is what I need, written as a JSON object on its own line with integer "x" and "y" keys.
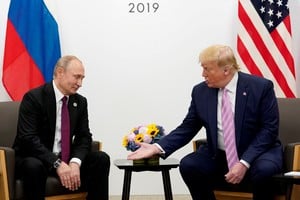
{"x": 221, "y": 54}
{"x": 64, "y": 62}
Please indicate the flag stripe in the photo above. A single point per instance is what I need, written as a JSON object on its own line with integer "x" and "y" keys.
{"x": 16, "y": 55}
{"x": 284, "y": 51}
{"x": 255, "y": 41}
{"x": 285, "y": 46}
{"x": 247, "y": 57}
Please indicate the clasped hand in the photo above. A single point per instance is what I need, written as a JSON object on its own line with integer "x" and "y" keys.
{"x": 236, "y": 173}
{"x": 69, "y": 175}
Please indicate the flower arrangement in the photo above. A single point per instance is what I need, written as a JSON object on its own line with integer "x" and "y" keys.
{"x": 146, "y": 133}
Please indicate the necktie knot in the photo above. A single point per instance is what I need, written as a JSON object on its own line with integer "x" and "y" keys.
{"x": 64, "y": 99}
{"x": 225, "y": 95}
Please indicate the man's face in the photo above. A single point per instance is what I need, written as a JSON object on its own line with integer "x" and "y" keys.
{"x": 213, "y": 74}
{"x": 70, "y": 79}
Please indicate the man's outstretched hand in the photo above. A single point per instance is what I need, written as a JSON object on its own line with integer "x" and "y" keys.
{"x": 145, "y": 151}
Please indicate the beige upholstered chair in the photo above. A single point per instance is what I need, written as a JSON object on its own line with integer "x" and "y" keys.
{"x": 289, "y": 133}
{"x": 11, "y": 189}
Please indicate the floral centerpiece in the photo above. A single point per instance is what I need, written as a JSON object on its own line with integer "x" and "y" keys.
{"x": 150, "y": 134}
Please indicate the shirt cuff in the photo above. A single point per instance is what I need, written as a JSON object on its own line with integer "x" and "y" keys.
{"x": 162, "y": 151}
{"x": 76, "y": 160}
{"x": 245, "y": 163}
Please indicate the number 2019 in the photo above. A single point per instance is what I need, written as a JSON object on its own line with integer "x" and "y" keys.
{"x": 143, "y": 7}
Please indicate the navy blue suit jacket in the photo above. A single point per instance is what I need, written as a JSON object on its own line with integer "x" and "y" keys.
{"x": 256, "y": 120}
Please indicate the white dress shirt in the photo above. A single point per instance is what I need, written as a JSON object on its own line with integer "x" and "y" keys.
{"x": 57, "y": 138}
{"x": 231, "y": 88}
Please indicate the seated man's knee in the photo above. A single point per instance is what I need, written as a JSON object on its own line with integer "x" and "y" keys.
{"x": 263, "y": 169}
{"x": 186, "y": 165}
{"x": 103, "y": 158}
{"x": 33, "y": 166}
{"x": 98, "y": 159}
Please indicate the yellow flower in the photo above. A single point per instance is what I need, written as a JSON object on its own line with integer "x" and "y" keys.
{"x": 152, "y": 130}
{"x": 125, "y": 141}
{"x": 139, "y": 137}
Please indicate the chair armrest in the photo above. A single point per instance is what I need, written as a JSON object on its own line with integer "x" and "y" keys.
{"x": 198, "y": 143}
{"x": 96, "y": 145}
{"x": 292, "y": 156}
{"x": 7, "y": 170}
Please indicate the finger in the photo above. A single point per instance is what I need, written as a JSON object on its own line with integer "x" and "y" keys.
{"x": 76, "y": 183}
{"x": 66, "y": 182}
{"x": 69, "y": 183}
{"x": 63, "y": 180}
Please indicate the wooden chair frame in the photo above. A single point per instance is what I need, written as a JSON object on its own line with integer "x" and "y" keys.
{"x": 4, "y": 194}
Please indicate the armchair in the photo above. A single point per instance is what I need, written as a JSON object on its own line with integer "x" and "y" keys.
{"x": 10, "y": 188}
{"x": 289, "y": 112}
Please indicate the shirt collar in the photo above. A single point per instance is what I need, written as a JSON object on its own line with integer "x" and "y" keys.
{"x": 231, "y": 86}
{"x": 58, "y": 94}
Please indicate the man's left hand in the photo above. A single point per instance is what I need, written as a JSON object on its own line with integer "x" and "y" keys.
{"x": 75, "y": 176}
{"x": 236, "y": 174}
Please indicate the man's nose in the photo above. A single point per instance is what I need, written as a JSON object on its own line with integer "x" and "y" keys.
{"x": 79, "y": 82}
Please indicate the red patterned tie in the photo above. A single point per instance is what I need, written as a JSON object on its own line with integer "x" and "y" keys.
{"x": 228, "y": 130}
{"x": 65, "y": 131}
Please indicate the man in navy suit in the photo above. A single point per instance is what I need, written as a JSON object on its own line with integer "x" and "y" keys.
{"x": 256, "y": 121}
{"x": 38, "y": 142}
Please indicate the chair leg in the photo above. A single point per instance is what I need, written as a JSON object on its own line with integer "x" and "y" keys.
{"x": 4, "y": 195}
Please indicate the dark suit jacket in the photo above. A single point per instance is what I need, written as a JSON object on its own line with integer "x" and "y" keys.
{"x": 36, "y": 125}
{"x": 256, "y": 120}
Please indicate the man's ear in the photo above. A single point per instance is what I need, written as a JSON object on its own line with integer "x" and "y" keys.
{"x": 226, "y": 70}
{"x": 60, "y": 70}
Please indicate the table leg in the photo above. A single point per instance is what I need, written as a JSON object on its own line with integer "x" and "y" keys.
{"x": 289, "y": 191}
{"x": 167, "y": 184}
{"x": 126, "y": 184}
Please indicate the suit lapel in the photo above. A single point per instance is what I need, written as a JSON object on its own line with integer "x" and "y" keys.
{"x": 51, "y": 107}
{"x": 212, "y": 115}
{"x": 240, "y": 105}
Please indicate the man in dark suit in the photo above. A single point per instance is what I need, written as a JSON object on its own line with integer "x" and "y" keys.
{"x": 38, "y": 142}
{"x": 255, "y": 128}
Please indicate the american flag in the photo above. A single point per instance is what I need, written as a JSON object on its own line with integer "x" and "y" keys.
{"x": 264, "y": 43}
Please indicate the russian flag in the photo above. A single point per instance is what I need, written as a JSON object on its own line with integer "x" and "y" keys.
{"x": 32, "y": 47}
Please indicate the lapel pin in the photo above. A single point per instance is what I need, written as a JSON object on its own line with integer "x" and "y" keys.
{"x": 244, "y": 93}
{"x": 75, "y": 104}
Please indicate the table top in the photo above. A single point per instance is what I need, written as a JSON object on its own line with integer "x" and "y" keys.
{"x": 161, "y": 165}
{"x": 288, "y": 179}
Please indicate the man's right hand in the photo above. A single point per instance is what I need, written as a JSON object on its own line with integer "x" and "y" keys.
{"x": 64, "y": 171}
{"x": 145, "y": 151}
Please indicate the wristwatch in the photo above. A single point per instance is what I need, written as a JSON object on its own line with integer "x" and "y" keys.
{"x": 57, "y": 163}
